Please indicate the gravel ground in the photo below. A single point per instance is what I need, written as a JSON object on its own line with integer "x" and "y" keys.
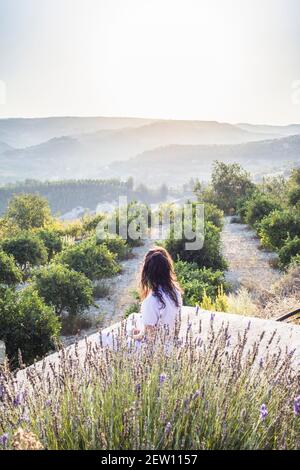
{"x": 249, "y": 265}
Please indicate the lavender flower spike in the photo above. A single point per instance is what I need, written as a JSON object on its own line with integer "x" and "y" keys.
{"x": 263, "y": 412}
{"x": 4, "y": 440}
{"x": 297, "y": 406}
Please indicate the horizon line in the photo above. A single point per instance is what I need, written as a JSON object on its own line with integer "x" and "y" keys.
{"x": 65, "y": 116}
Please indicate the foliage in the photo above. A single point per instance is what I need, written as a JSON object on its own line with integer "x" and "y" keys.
{"x": 26, "y": 324}
{"x": 95, "y": 261}
{"x": 64, "y": 195}
{"x": 197, "y": 282}
{"x": 115, "y": 244}
{"x": 65, "y": 290}
{"x": 220, "y": 304}
{"x": 229, "y": 183}
{"x": 9, "y": 272}
{"x": 208, "y": 256}
{"x": 90, "y": 222}
{"x": 52, "y": 240}
{"x": 131, "y": 221}
{"x": 208, "y": 397}
{"x": 27, "y": 249}
{"x": 259, "y": 206}
{"x": 275, "y": 228}
{"x": 289, "y": 251}
{"x": 214, "y": 215}
{"x": 28, "y": 211}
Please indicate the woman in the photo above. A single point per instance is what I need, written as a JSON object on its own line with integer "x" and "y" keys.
{"x": 160, "y": 293}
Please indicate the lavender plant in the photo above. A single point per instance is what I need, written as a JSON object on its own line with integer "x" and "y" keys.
{"x": 179, "y": 394}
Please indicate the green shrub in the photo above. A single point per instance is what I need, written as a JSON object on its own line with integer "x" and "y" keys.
{"x": 294, "y": 196}
{"x": 28, "y": 211}
{"x": 230, "y": 182}
{"x": 209, "y": 256}
{"x": 27, "y": 324}
{"x": 90, "y": 222}
{"x": 277, "y": 227}
{"x": 52, "y": 240}
{"x": 289, "y": 251}
{"x": 27, "y": 249}
{"x": 133, "y": 219}
{"x": 114, "y": 244}
{"x": 65, "y": 290}
{"x": 196, "y": 282}
{"x": 214, "y": 215}
{"x": 95, "y": 261}
{"x": 258, "y": 207}
{"x": 9, "y": 272}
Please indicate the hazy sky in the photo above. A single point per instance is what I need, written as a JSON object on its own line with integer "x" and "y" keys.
{"x": 226, "y": 60}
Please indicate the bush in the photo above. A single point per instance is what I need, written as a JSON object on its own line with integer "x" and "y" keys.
{"x": 52, "y": 240}
{"x": 259, "y": 207}
{"x": 65, "y": 290}
{"x": 289, "y": 251}
{"x": 134, "y": 220}
{"x": 229, "y": 183}
{"x": 275, "y": 228}
{"x": 196, "y": 282}
{"x": 27, "y": 324}
{"x": 214, "y": 215}
{"x": 95, "y": 261}
{"x": 28, "y": 211}
{"x": 27, "y": 249}
{"x": 114, "y": 244}
{"x": 209, "y": 256}
{"x": 9, "y": 272}
{"x": 90, "y": 222}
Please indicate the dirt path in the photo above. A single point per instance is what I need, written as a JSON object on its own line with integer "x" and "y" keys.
{"x": 249, "y": 265}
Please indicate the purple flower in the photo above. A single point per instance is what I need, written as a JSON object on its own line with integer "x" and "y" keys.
{"x": 212, "y": 316}
{"x": 48, "y": 402}
{"x": 18, "y": 399}
{"x": 4, "y": 440}
{"x": 138, "y": 388}
{"x": 168, "y": 428}
{"x": 263, "y": 412}
{"x": 162, "y": 378}
{"x": 196, "y": 394}
{"x": 297, "y": 406}
{"x": 261, "y": 363}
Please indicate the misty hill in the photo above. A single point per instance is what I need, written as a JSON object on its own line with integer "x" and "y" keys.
{"x": 4, "y": 147}
{"x": 85, "y": 155}
{"x": 177, "y": 163}
{"x": 276, "y": 131}
{"x": 24, "y": 132}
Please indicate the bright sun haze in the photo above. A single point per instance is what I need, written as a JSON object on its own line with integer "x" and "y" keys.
{"x": 226, "y": 60}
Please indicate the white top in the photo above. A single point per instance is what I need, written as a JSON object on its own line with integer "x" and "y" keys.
{"x": 153, "y": 313}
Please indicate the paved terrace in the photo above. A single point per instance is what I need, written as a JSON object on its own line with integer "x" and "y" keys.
{"x": 286, "y": 337}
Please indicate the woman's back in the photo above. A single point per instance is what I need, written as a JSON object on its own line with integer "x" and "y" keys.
{"x": 157, "y": 313}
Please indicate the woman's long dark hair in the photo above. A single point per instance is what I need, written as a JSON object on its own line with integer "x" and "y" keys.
{"x": 158, "y": 276}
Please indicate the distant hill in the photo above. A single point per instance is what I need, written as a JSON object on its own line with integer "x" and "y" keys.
{"x": 177, "y": 163}
{"x": 4, "y": 147}
{"x": 86, "y": 154}
{"x": 276, "y": 131}
{"x": 24, "y": 132}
